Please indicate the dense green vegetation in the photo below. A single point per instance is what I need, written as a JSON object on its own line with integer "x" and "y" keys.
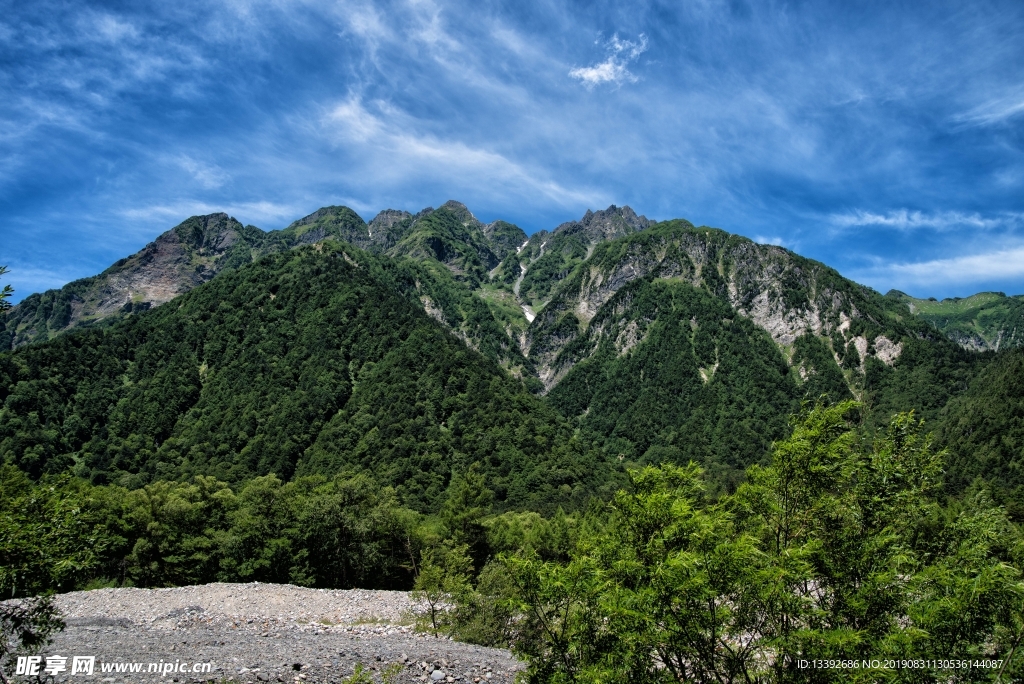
{"x": 987, "y": 320}
{"x": 667, "y": 364}
{"x": 63, "y": 533}
{"x": 984, "y": 431}
{"x": 504, "y": 238}
{"x": 338, "y": 417}
{"x": 550, "y": 259}
{"x": 190, "y": 254}
{"x": 310, "y": 361}
{"x": 441, "y": 236}
{"x": 679, "y": 377}
{"x": 838, "y": 549}
{"x": 134, "y": 402}
{"x": 553, "y": 257}
{"x": 201, "y": 247}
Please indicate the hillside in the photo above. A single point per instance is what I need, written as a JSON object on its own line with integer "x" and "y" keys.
{"x": 679, "y": 342}
{"x": 307, "y": 361}
{"x": 984, "y": 428}
{"x": 984, "y": 321}
{"x": 650, "y": 342}
{"x": 201, "y": 247}
{"x": 177, "y": 261}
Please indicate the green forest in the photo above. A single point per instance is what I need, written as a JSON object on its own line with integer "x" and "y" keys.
{"x": 310, "y": 362}
{"x": 839, "y": 547}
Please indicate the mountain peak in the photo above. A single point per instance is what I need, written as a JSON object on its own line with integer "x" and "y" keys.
{"x": 461, "y": 212}
{"x": 322, "y": 213}
{"x": 387, "y": 218}
{"x": 329, "y": 222}
{"x": 606, "y": 224}
{"x": 209, "y": 231}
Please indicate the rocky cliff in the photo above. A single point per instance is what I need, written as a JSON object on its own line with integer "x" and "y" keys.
{"x": 177, "y": 261}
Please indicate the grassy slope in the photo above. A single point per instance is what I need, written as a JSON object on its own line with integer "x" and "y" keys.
{"x": 987, "y": 320}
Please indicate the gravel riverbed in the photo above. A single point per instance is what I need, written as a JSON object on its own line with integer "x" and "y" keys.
{"x": 261, "y": 633}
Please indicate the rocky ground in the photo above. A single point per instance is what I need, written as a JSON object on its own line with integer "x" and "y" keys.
{"x": 263, "y": 633}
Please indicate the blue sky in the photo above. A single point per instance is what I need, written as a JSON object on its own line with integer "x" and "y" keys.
{"x": 884, "y": 139}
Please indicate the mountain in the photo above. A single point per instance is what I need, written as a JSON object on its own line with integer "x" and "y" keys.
{"x": 677, "y": 342}
{"x": 177, "y": 261}
{"x": 312, "y": 360}
{"x": 203, "y": 246}
{"x": 648, "y": 341}
{"x": 547, "y": 258}
{"x": 984, "y": 321}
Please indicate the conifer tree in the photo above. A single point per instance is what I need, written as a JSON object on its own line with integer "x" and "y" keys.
{"x": 5, "y": 293}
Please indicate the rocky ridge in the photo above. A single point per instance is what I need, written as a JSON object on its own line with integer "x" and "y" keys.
{"x": 987, "y": 321}
{"x": 541, "y": 291}
{"x": 200, "y": 247}
{"x": 180, "y": 259}
{"x": 782, "y": 293}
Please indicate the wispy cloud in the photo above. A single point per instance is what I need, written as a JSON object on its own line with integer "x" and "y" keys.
{"x": 893, "y": 129}
{"x": 1004, "y": 265}
{"x": 167, "y": 215}
{"x": 384, "y": 132}
{"x": 906, "y": 220}
{"x": 614, "y": 69}
{"x": 207, "y": 175}
{"x": 27, "y": 279}
{"x": 994, "y": 111}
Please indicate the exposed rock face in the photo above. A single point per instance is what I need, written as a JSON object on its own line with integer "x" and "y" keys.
{"x": 608, "y": 224}
{"x": 786, "y": 295}
{"x": 861, "y": 344}
{"x": 388, "y": 227}
{"x": 178, "y": 260}
{"x": 886, "y": 350}
{"x": 552, "y": 257}
{"x": 387, "y": 218}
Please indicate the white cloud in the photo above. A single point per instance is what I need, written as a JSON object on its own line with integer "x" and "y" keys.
{"x": 994, "y": 111}
{"x": 608, "y": 71}
{"x": 389, "y": 134}
{"x": 366, "y": 22}
{"x": 208, "y": 175}
{"x": 1001, "y": 265}
{"x": 246, "y": 212}
{"x": 764, "y": 240}
{"x": 614, "y": 68}
{"x": 904, "y": 219}
{"x": 110, "y": 29}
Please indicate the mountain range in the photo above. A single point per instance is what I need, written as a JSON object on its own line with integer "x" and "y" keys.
{"x": 416, "y": 344}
